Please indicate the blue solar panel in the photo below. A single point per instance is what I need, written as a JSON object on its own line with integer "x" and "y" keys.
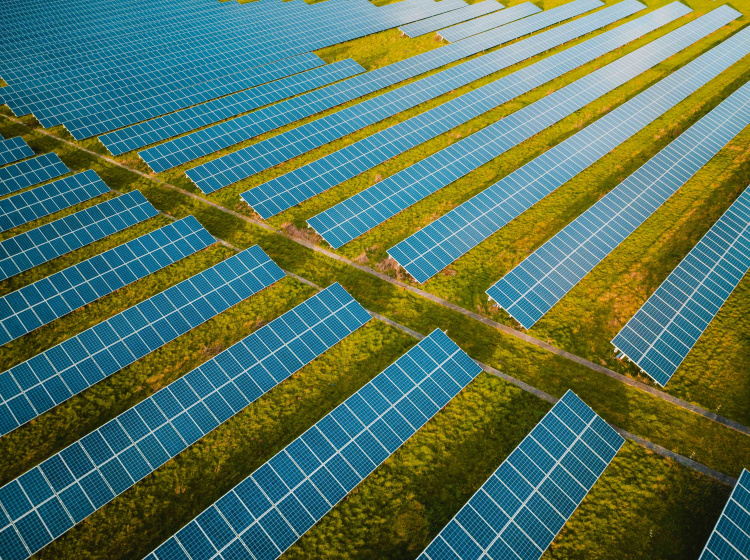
{"x": 113, "y": 458}
{"x": 50, "y": 298}
{"x": 730, "y": 539}
{"x": 35, "y": 386}
{"x": 531, "y": 289}
{"x": 371, "y": 207}
{"x": 518, "y": 512}
{"x": 449, "y": 18}
{"x": 433, "y": 248}
{"x": 14, "y": 149}
{"x": 473, "y": 27}
{"x": 268, "y": 511}
{"x": 30, "y": 172}
{"x": 180, "y": 122}
{"x": 204, "y": 142}
{"x": 42, "y": 201}
{"x": 304, "y": 182}
{"x": 666, "y": 328}
{"x": 32, "y": 248}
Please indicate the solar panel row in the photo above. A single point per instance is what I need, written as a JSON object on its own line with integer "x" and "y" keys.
{"x": 730, "y": 539}
{"x": 52, "y": 377}
{"x": 531, "y": 289}
{"x": 268, "y": 511}
{"x": 434, "y": 23}
{"x": 52, "y": 297}
{"x": 431, "y": 249}
{"x": 223, "y": 135}
{"x": 470, "y": 28}
{"x": 662, "y": 333}
{"x": 289, "y": 189}
{"x": 14, "y": 149}
{"x": 42, "y": 201}
{"x": 32, "y": 248}
{"x": 518, "y": 512}
{"x": 69, "y": 486}
{"x": 30, "y": 172}
{"x": 360, "y": 213}
{"x": 180, "y": 122}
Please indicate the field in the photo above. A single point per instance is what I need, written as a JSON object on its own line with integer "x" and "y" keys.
{"x": 645, "y": 506}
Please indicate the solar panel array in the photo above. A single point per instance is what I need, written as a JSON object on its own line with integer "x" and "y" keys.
{"x": 180, "y": 122}
{"x": 53, "y": 376}
{"x": 42, "y": 201}
{"x": 662, "y": 333}
{"x": 434, "y": 23}
{"x": 730, "y": 539}
{"x": 304, "y": 182}
{"x": 30, "y": 172}
{"x": 157, "y": 60}
{"x": 431, "y": 249}
{"x": 14, "y": 149}
{"x": 356, "y": 215}
{"x": 50, "y": 499}
{"x": 52, "y": 297}
{"x": 531, "y": 289}
{"x": 223, "y": 135}
{"x": 268, "y": 511}
{"x": 34, "y": 247}
{"x": 518, "y": 512}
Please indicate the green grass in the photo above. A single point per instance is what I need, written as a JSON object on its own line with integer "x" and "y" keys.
{"x": 644, "y": 506}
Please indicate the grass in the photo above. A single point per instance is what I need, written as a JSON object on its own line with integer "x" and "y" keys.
{"x": 644, "y": 505}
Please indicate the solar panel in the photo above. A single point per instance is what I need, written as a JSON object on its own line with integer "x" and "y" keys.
{"x": 662, "y": 333}
{"x": 113, "y": 458}
{"x": 223, "y": 135}
{"x": 268, "y": 511}
{"x": 356, "y": 215}
{"x": 50, "y": 298}
{"x": 434, "y": 23}
{"x": 30, "y": 172}
{"x": 531, "y": 289}
{"x": 42, "y": 201}
{"x": 52, "y": 377}
{"x": 470, "y": 28}
{"x": 526, "y": 502}
{"x": 14, "y": 149}
{"x": 32, "y": 248}
{"x": 431, "y": 249}
{"x": 180, "y": 122}
{"x": 304, "y": 182}
{"x": 730, "y": 539}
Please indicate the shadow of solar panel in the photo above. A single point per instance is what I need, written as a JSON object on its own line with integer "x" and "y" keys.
{"x": 268, "y": 511}
{"x": 30, "y": 172}
{"x": 173, "y": 124}
{"x": 434, "y": 23}
{"x": 50, "y": 298}
{"x": 35, "y": 386}
{"x": 223, "y": 135}
{"x": 662, "y": 332}
{"x": 32, "y": 248}
{"x": 138, "y": 441}
{"x": 42, "y": 201}
{"x": 524, "y": 504}
{"x": 14, "y": 149}
{"x": 431, "y": 249}
{"x": 534, "y": 286}
{"x": 304, "y": 182}
{"x": 360, "y": 213}
{"x": 730, "y": 539}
